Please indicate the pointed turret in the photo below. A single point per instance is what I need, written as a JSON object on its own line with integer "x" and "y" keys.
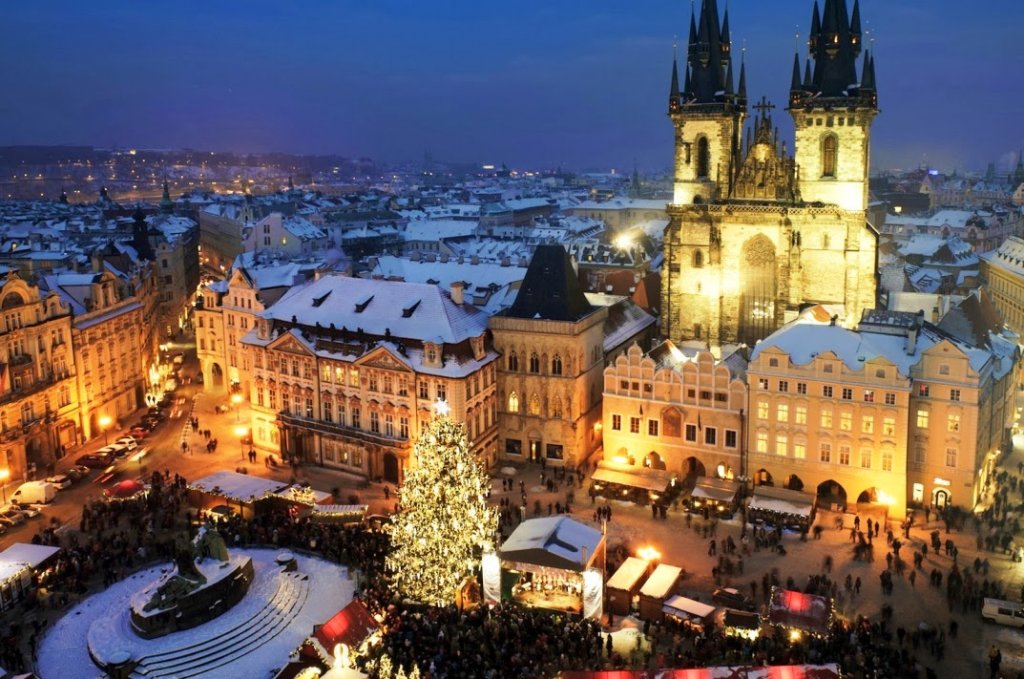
{"x": 808, "y": 77}
{"x": 687, "y": 85}
{"x": 835, "y": 43}
{"x": 868, "y": 80}
{"x": 795, "y": 85}
{"x": 673, "y": 90}
{"x": 728, "y": 79}
{"x": 855, "y": 33}
{"x": 166, "y": 204}
{"x": 725, "y": 41}
{"x": 815, "y": 27}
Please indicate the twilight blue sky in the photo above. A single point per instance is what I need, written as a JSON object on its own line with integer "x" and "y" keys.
{"x": 536, "y": 83}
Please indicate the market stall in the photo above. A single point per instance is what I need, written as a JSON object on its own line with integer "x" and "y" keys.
{"x": 642, "y": 486}
{"x": 552, "y": 563}
{"x": 713, "y": 497}
{"x": 781, "y": 507}
{"x": 830, "y": 671}
{"x": 659, "y": 587}
{"x": 337, "y": 513}
{"x": 352, "y": 625}
{"x": 252, "y": 495}
{"x": 19, "y": 563}
{"x": 743, "y": 624}
{"x": 624, "y": 585}
{"x": 800, "y": 613}
{"x": 687, "y": 611}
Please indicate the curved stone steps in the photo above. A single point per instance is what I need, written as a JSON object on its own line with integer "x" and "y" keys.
{"x": 209, "y": 654}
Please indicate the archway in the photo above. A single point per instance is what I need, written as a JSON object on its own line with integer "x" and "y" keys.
{"x": 868, "y": 496}
{"x": 941, "y": 498}
{"x": 693, "y": 467}
{"x": 654, "y": 461}
{"x": 391, "y": 468}
{"x": 831, "y": 494}
{"x": 35, "y": 456}
{"x": 794, "y": 482}
{"x": 757, "y": 291}
{"x": 763, "y": 478}
{"x": 216, "y": 376}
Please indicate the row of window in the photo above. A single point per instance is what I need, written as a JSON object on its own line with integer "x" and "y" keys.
{"x": 799, "y": 412}
{"x": 533, "y": 405}
{"x": 691, "y": 433}
{"x": 691, "y": 393}
{"x": 533, "y": 365}
{"x": 798, "y": 451}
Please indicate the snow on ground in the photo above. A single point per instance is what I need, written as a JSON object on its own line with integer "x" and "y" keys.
{"x": 63, "y": 652}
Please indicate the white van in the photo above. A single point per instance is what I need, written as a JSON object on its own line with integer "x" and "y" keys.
{"x": 1003, "y": 612}
{"x": 34, "y": 493}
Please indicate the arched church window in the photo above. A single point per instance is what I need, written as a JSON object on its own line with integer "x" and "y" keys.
{"x": 534, "y": 363}
{"x": 513, "y": 402}
{"x": 829, "y": 155}
{"x": 698, "y": 259}
{"x": 556, "y": 365}
{"x": 556, "y": 408}
{"x": 513, "y": 362}
{"x": 703, "y": 158}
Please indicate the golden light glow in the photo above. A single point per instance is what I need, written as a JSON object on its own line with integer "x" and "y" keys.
{"x": 236, "y": 398}
{"x": 886, "y": 499}
{"x": 794, "y": 635}
{"x": 105, "y": 421}
{"x": 649, "y": 554}
{"x": 4, "y": 475}
{"x": 623, "y": 241}
{"x": 241, "y": 431}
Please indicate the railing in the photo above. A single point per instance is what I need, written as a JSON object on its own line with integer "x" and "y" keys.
{"x": 342, "y": 430}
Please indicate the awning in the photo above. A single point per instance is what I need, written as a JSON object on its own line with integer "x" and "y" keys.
{"x": 782, "y": 501}
{"x": 687, "y": 609}
{"x": 350, "y": 626}
{"x": 773, "y": 672}
{"x": 721, "y": 490}
{"x": 796, "y": 610}
{"x": 652, "y": 480}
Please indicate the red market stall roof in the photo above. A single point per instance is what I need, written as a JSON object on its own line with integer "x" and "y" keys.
{"x": 774, "y": 672}
{"x": 125, "y": 489}
{"x": 796, "y": 610}
{"x": 351, "y": 626}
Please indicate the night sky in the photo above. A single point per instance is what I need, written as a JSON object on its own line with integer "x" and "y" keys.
{"x": 532, "y": 83}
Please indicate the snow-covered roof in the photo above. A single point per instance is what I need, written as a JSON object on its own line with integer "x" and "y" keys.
{"x": 661, "y": 582}
{"x": 403, "y": 310}
{"x": 554, "y": 542}
{"x": 27, "y": 553}
{"x": 628, "y": 576}
{"x": 436, "y": 229}
{"x": 239, "y": 487}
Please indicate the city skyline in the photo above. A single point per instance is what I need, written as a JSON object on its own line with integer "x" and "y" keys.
{"x": 532, "y": 85}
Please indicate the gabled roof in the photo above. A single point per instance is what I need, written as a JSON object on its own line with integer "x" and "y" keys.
{"x": 551, "y": 290}
{"x": 553, "y": 542}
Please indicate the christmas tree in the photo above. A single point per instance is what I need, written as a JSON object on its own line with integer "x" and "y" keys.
{"x": 445, "y": 521}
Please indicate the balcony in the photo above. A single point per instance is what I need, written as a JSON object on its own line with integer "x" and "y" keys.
{"x": 335, "y": 429}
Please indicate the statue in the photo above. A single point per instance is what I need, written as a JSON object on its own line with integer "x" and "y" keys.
{"x": 184, "y": 559}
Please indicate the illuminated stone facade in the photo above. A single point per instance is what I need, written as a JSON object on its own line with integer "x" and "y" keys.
{"x": 674, "y": 410}
{"x": 38, "y": 399}
{"x": 1003, "y": 272}
{"x": 346, "y": 371}
{"x": 755, "y": 233}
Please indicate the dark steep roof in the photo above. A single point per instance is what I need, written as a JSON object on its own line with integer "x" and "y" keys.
{"x": 550, "y": 290}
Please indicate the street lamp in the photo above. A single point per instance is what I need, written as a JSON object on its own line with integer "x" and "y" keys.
{"x": 241, "y": 432}
{"x": 4, "y": 475}
{"x": 237, "y": 400}
{"x": 104, "y": 425}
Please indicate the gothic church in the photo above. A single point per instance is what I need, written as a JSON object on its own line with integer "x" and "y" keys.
{"x": 757, "y": 233}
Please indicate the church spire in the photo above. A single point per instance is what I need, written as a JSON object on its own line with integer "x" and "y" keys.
{"x": 855, "y": 32}
{"x": 795, "y": 85}
{"x": 673, "y": 90}
{"x": 742, "y": 92}
{"x": 166, "y": 204}
{"x": 728, "y": 79}
{"x": 835, "y": 42}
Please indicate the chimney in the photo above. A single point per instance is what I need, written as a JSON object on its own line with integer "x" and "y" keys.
{"x": 458, "y": 287}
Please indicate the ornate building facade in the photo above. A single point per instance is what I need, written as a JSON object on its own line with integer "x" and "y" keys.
{"x": 38, "y": 399}
{"x": 346, "y": 371}
{"x": 755, "y": 232}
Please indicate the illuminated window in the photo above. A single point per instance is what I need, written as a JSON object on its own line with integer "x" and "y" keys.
{"x": 829, "y": 155}
{"x": 922, "y": 419}
{"x": 826, "y": 419}
{"x": 953, "y": 423}
{"x": 867, "y": 425}
{"x": 762, "y": 442}
{"x": 799, "y": 450}
{"x": 513, "y": 402}
{"x": 922, "y": 390}
{"x": 534, "y": 405}
{"x": 886, "y": 460}
{"x": 846, "y": 422}
{"x": 762, "y": 410}
{"x": 800, "y": 416}
{"x": 782, "y": 412}
{"x": 865, "y": 458}
{"x": 889, "y": 426}
{"x": 782, "y": 445}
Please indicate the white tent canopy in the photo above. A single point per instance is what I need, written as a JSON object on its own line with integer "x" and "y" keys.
{"x": 688, "y": 609}
{"x": 552, "y": 542}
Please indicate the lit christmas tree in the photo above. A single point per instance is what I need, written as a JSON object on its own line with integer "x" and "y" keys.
{"x": 445, "y": 521}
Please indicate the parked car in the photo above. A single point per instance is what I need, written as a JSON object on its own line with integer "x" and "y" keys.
{"x": 1002, "y": 612}
{"x": 732, "y": 598}
{"x": 138, "y": 433}
{"x": 15, "y": 516}
{"x": 158, "y": 416}
{"x": 77, "y": 472}
{"x": 62, "y": 481}
{"x": 30, "y": 511}
{"x": 128, "y": 442}
{"x": 95, "y": 460}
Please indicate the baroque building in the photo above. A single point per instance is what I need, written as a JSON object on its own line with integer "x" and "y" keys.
{"x": 38, "y": 399}
{"x": 755, "y": 233}
{"x": 346, "y": 372}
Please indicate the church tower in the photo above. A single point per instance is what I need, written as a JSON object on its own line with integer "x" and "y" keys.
{"x": 757, "y": 233}
{"x": 707, "y": 112}
{"x": 834, "y": 109}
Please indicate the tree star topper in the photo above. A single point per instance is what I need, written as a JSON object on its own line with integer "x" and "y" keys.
{"x": 441, "y": 408}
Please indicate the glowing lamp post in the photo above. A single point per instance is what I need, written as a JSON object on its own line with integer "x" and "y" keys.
{"x": 5, "y": 474}
{"x": 241, "y": 432}
{"x": 104, "y": 422}
{"x": 237, "y": 400}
